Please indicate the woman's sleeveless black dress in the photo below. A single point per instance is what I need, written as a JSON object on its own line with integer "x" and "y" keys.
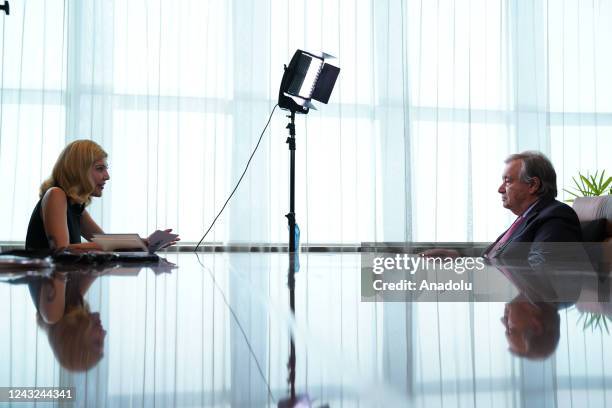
{"x": 36, "y": 237}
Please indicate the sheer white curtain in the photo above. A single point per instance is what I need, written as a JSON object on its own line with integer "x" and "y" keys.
{"x": 431, "y": 97}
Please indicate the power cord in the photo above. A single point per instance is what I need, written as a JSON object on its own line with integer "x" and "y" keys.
{"x": 235, "y": 316}
{"x": 239, "y": 180}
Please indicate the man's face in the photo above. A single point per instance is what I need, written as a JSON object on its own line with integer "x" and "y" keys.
{"x": 516, "y": 194}
{"x": 521, "y": 319}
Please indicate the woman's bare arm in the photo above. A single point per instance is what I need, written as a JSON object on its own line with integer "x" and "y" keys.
{"x": 52, "y": 300}
{"x": 85, "y": 282}
{"x": 89, "y": 227}
{"x": 54, "y": 208}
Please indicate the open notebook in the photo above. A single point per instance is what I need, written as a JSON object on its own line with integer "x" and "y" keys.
{"x": 133, "y": 242}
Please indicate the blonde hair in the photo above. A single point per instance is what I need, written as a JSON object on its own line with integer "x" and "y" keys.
{"x": 71, "y": 170}
{"x": 69, "y": 339}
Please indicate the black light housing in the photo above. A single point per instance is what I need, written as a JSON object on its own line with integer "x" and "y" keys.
{"x": 307, "y": 77}
{"x": 6, "y": 7}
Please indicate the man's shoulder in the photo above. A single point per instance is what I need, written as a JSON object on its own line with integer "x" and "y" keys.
{"x": 556, "y": 208}
{"x": 556, "y": 221}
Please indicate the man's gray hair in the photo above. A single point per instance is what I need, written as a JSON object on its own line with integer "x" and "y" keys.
{"x": 536, "y": 164}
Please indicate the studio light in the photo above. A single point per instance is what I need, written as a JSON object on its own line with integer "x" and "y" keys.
{"x": 307, "y": 77}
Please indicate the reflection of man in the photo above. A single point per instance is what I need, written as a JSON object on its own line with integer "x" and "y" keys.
{"x": 532, "y": 329}
{"x": 531, "y": 319}
{"x": 528, "y": 189}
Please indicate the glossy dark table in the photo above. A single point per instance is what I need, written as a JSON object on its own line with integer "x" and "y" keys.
{"x": 217, "y": 330}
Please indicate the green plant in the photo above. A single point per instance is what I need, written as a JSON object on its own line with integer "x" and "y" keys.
{"x": 590, "y": 185}
{"x": 594, "y": 321}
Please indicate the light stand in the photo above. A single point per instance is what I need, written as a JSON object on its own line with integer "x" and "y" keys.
{"x": 294, "y": 400}
{"x": 291, "y": 215}
{"x": 307, "y": 77}
{"x": 292, "y": 358}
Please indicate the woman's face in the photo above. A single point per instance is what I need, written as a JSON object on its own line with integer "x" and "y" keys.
{"x": 96, "y": 334}
{"x": 99, "y": 176}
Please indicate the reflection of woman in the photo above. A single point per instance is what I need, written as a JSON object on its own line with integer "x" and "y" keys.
{"x": 60, "y": 218}
{"x": 75, "y": 335}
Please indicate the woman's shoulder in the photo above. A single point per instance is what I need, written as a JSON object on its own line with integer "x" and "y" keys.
{"x": 55, "y": 191}
{"x": 54, "y": 196}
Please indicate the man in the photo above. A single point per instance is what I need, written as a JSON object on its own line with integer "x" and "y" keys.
{"x": 528, "y": 189}
{"x": 532, "y": 329}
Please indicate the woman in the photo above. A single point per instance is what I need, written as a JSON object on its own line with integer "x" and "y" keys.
{"x": 60, "y": 218}
{"x": 75, "y": 334}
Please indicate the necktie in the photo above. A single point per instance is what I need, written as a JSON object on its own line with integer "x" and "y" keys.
{"x": 517, "y": 223}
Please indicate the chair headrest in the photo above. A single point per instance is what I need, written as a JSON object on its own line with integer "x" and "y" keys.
{"x": 594, "y": 208}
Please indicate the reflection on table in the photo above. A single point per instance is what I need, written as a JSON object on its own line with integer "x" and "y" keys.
{"x": 218, "y": 330}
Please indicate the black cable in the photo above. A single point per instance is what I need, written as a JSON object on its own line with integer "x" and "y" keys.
{"x": 235, "y": 316}
{"x": 239, "y": 180}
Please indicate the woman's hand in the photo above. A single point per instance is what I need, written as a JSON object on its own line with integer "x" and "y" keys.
{"x": 160, "y": 236}
{"x": 177, "y": 239}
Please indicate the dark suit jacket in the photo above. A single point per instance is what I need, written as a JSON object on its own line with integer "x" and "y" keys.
{"x": 548, "y": 221}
